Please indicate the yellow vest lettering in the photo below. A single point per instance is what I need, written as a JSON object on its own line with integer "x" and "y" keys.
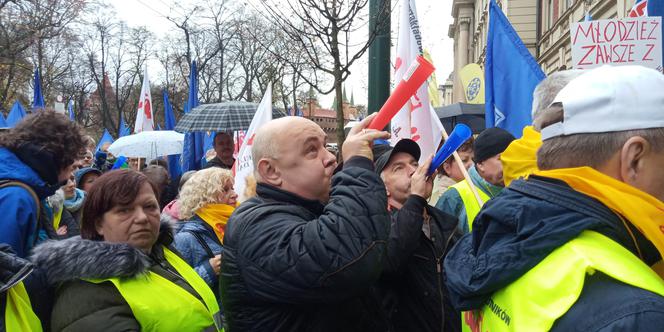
{"x": 19, "y": 316}
{"x": 545, "y": 293}
{"x": 160, "y": 305}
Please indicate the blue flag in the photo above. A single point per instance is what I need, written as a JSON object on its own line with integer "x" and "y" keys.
{"x": 193, "y": 153}
{"x": 3, "y": 122}
{"x": 174, "y": 166}
{"x": 511, "y": 74}
{"x": 38, "y": 98}
{"x": 105, "y": 138}
{"x": 124, "y": 129}
{"x": 70, "y": 110}
{"x": 656, "y": 8}
{"x": 15, "y": 114}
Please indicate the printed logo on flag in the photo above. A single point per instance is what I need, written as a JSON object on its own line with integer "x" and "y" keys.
{"x": 639, "y": 9}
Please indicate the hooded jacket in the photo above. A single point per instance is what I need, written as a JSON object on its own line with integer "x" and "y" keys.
{"x": 86, "y": 306}
{"x": 522, "y": 226}
{"x": 292, "y": 264}
{"x": 21, "y": 230}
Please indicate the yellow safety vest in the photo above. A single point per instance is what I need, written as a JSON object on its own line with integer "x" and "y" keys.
{"x": 19, "y": 316}
{"x": 160, "y": 305}
{"x": 471, "y": 204}
{"x": 57, "y": 217}
{"x": 545, "y": 293}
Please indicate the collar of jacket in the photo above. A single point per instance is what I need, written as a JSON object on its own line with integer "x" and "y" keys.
{"x": 488, "y": 188}
{"x": 13, "y": 269}
{"x": 75, "y": 258}
{"x": 533, "y": 217}
{"x": 269, "y": 192}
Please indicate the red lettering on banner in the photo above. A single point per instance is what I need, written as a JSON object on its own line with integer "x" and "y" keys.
{"x": 614, "y": 31}
{"x": 413, "y": 134}
{"x": 585, "y": 33}
{"x": 650, "y": 48}
{"x": 655, "y": 25}
{"x": 415, "y": 105}
{"x": 590, "y": 50}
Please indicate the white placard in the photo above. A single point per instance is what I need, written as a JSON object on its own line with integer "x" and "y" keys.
{"x": 628, "y": 41}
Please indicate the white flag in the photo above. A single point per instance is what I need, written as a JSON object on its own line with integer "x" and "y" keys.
{"x": 144, "y": 115}
{"x": 414, "y": 119}
{"x": 244, "y": 164}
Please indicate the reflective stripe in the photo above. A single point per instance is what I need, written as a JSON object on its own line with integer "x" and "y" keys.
{"x": 161, "y": 305}
{"x": 545, "y": 293}
{"x": 471, "y": 204}
{"x": 19, "y": 316}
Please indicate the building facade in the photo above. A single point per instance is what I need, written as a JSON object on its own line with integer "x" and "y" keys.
{"x": 543, "y": 26}
{"x": 327, "y": 118}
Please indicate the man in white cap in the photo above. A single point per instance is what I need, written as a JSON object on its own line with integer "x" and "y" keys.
{"x": 579, "y": 244}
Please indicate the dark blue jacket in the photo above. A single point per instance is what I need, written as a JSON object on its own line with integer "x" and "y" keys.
{"x": 193, "y": 252}
{"x": 525, "y": 223}
{"x": 18, "y": 226}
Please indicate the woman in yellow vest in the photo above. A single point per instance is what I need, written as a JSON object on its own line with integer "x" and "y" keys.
{"x": 122, "y": 275}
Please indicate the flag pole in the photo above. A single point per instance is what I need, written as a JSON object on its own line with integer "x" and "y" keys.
{"x": 464, "y": 171}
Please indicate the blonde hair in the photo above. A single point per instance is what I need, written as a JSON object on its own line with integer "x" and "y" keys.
{"x": 203, "y": 188}
{"x": 250, "y": 187}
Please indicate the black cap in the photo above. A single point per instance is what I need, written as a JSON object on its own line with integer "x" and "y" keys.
{"x": 383, "y": 152}
{"x": 490, "y": 142}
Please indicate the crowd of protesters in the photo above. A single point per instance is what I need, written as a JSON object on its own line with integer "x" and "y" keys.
{"x": 560, "y": 229}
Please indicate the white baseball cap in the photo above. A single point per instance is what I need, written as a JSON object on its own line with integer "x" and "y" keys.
{"x": 608, "y": 99}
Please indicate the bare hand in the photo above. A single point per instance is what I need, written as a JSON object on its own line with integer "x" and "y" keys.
{"x": 215, "y": 262}
{"x": 62, "y": 230}
{"x": 360, "y": 140}
{"x": 421, "y": 184}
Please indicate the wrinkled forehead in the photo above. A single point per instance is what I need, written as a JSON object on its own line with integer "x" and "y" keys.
{"x": 302, "y": 132}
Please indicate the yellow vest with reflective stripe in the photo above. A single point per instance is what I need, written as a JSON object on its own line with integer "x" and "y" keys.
{"x": 19, "y": 316}
{"x": 545, "y": 293}
{"x": 471, "y": 204}
{"x": 160, "y": 305}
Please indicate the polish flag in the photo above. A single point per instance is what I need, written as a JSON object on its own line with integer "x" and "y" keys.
{"x": 144, "y": 115}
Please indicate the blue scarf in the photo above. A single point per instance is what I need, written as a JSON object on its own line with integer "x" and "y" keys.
{"x": 74, "y": 204}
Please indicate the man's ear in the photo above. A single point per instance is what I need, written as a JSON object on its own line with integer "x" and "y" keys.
{"x": 269, "y": 173}
{"x": 632, "y": 157}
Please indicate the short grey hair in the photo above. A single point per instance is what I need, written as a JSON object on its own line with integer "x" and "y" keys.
{"x": 265, "y": 146}
{"x": 547, "y": 90}
{"x": 593, "y": 149}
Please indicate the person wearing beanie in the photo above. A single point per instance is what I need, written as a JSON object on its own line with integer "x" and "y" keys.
{"x": 487, "y": 176}
{"x": 85, "y": 177}
{"x": 411, "y": 287}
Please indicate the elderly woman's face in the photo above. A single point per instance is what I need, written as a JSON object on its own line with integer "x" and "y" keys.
{"x": 136, "y": 224}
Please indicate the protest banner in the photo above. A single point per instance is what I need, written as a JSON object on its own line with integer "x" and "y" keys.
{"x": 628, "y": 41}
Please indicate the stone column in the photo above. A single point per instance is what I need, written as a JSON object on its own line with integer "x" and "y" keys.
{"x": 463, "y": 27}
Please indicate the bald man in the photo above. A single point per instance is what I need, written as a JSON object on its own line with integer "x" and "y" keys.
{"x": 303, "y": 254}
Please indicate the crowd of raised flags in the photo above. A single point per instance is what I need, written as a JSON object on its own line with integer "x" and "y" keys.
{"x": 510, "y": 75}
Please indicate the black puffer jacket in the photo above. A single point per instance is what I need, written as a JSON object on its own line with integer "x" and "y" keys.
{"x": 412, "y": 287}
{"x": 291, "y": 264}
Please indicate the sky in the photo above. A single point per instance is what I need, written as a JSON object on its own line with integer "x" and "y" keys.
{"x": 434, "y": 18}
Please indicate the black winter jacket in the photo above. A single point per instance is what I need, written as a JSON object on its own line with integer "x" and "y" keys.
{"x": 523, "y": 225}
{"x": 412, "y": 287}
{"x": 291, "y": 264}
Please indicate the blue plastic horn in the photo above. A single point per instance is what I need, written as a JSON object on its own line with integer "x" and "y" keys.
{"x": 459, "y": 135}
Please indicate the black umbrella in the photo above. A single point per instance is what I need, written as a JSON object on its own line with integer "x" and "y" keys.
{"x": 471, "y": 115}
{"x": 222, "y": 117}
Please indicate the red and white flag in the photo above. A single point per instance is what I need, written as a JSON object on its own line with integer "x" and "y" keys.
{"x": 414, "y": 119}
{"x": 640, "y": 9}
{"x": 244, "y": 164}
{"x": 144, "y": 115}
